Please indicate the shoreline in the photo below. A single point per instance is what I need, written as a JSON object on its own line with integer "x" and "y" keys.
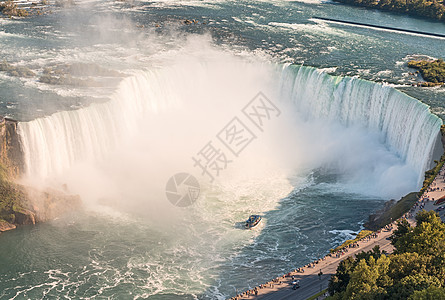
{"x": 314, "y": 277}
{"x": 422, "y": 10}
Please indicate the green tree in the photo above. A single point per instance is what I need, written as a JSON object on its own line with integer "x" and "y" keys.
{"x": 426, "y": 216}
{"x": 431, "y": 293}
{"x": 428, "y": 237}
{"x": 403, "y": 227}
{"x": 369, "y": 279}
{"x": 406, "y": 264}
{"x": 415, "y": 271}
{"x": 340, "y": 280}
{"x": 408, "y": 285}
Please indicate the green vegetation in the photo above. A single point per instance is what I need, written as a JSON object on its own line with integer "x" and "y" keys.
{"x": 430, "y": 293}
{"x": 432, "y": 71}
{"x": 416, "y": 270}
{"x": 392, "y": 213}
{"x": 12, "y": 199}
{"x": 422, "y": 8}
{"x": 360, "y": 235}
{"x": 9, "y": 8}
{"x": 431, "y": 174}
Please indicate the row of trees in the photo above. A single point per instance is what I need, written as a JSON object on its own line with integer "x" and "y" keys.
{"x": 423, "y": 8}
{"x": 416, "y": 269}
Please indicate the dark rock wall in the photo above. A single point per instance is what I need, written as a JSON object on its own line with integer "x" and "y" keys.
{"x": 11, "y": 154}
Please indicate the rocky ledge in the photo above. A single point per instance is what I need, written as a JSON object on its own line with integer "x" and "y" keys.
{"x": 5, "y": 226}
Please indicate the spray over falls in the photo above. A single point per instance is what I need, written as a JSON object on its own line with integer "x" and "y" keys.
{"x": 403, "y": 125}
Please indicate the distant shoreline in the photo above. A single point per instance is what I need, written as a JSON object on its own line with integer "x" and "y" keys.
{"x": 433, "y": 11}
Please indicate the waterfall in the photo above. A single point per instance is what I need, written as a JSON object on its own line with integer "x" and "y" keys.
{"x": 54, "y": 143}
{"x": 405, "y": 125}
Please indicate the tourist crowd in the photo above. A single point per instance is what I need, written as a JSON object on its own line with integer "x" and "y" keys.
{"x": 311, "y": 265}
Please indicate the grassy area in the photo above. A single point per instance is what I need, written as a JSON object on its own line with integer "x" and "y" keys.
{"x": 360, "y": 235}
{"x": 317, "y": 295}
{"x": 393, "y": 213}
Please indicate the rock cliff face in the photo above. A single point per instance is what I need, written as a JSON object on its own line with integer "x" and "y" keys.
{"x": 11, "y": 155}
{"x": 22, "y": 205}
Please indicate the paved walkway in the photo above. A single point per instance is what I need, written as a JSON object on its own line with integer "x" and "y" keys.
{"x": 311, "y": 283}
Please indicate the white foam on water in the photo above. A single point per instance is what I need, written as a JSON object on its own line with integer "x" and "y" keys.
{"x": 384, "y": 29}
{"x": 312, "y": 28}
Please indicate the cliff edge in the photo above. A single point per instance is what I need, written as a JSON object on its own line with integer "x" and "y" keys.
{"x": 19, "y": 204}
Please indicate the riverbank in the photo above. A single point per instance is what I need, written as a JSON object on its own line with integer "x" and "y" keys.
{"x": 422, "y": 8}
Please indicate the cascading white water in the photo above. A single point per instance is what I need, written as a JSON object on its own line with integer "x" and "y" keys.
{"x": 405, "y": 124}
{"x": 54, "y": 143}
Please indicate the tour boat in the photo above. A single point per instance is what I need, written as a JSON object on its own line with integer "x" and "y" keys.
{"x": 253, "y": 221}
